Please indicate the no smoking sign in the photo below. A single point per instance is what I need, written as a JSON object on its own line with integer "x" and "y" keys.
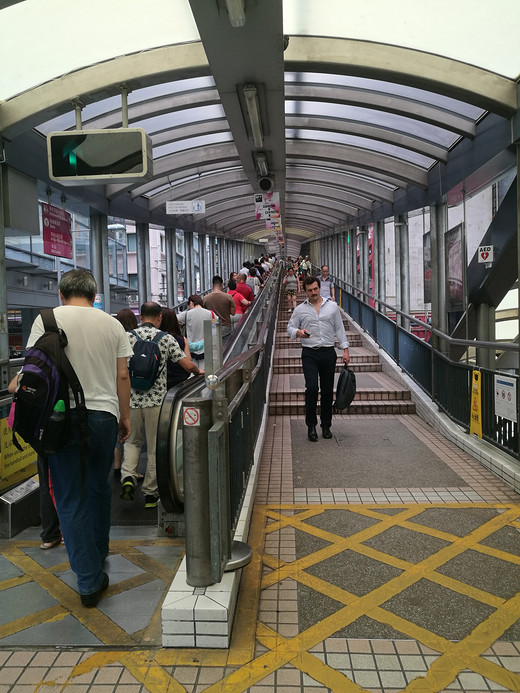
{"x": 191, "y": 416}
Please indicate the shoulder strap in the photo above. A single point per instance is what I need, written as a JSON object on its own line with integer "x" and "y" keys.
{"x": 158, "y": 337}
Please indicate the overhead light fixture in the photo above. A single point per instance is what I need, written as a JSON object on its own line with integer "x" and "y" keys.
{"x": 237, "y": 12}
{"x": 261, "y": 164}
{"x": 253, "y": 110}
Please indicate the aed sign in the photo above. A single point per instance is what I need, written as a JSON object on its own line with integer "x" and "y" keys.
{"x": 185, "y": 207}
{"x": 485, "y": 253}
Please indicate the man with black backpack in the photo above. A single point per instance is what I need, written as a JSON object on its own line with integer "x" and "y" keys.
{"x": 147, "y": 367}
{"x": 97, "y": 348}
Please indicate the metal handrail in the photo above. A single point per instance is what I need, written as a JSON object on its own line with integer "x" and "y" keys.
{"x": 237, "y": 352}
{"x": 506, "y": 346}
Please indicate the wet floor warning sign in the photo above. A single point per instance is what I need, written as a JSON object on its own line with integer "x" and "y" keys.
{"x": 475, "y": 426}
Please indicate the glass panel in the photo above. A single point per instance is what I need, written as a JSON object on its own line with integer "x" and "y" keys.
{"x": 53, "y": 30}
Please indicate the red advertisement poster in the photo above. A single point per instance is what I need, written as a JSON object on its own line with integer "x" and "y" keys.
{"x": 57, "y": 238}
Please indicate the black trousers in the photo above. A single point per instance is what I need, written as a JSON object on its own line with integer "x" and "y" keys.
{"x": 319, "y": 364}
{"x": 48, "y": 514}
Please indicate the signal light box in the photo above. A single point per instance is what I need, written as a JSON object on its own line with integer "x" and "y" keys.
{"x": 82, "y": 157}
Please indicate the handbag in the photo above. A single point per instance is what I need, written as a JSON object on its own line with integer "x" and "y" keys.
{"x": 346, "y": 388}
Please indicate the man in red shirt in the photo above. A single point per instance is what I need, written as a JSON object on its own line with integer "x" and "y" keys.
{"x": 244, "y": 289}
{"x": 241, "y": 303}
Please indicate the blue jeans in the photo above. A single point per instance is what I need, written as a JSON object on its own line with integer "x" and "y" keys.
{"x": 84, "y": 509}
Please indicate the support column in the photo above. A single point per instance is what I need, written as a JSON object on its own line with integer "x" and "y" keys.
{"x": 169, "y": 246}
{"x": 379, "y": 234}
{"x": 401, "y": 223}
{"x": 188, "y": 266}
{"x": 4, "y": 333}
{"x": 438, "y": 226}
{"x": 485, "y": 332}
{"x": 363, "y": 262}
{"x": 99, "y": 256}
{"x": 144, "y": 289}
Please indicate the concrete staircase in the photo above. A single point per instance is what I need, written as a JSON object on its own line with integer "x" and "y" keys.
{"x": 377, "y": 392}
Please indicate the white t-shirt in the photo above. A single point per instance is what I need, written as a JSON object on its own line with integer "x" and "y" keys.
{"x": 194, "y": 320}
{"x": 95, "y": 341}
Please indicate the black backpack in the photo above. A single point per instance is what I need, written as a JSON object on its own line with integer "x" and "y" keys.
{"x": 145, "y": 363}
{"x": 45, "y": 379}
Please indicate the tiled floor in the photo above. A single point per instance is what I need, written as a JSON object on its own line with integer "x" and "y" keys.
{"x": 305, "y": 638}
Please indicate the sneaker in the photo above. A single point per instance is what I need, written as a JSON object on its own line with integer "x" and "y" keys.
{"x": 150, "y": 502}
{"x": 91, "y": 600}
{"x": 128, "y": 489}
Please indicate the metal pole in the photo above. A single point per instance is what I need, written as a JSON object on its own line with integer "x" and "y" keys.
{"x": 142, "y": 233}
{"x": 197, "y": 492}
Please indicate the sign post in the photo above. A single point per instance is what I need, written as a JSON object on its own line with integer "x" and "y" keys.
{"x": 475, "y": 426}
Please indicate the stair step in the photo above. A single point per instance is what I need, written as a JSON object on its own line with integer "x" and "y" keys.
{"x": 357, "y": 407}
{"x": 286, "y": 368}
{"x": 298, "y": 396}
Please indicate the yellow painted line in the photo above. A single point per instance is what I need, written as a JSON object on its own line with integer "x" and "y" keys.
{"x": 311, "y": 665}
{"x": 93, "y": 619}
{"x": 153, "y": 676}
{"x": 504, "y": 677}
{"x": 461, "y": 655}
{"x": 497, "y": 553}
{"x": 467, "y": 590}
{"x": 242, "y": 647}
{"x": 337, "y": 545}
{"x": 34, "y": 619}
{"x": 283, "y": 652}
{"x": 14, "y": 582}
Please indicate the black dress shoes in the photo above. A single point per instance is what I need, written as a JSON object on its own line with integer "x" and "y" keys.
{"x": 91, "y": 600}
{"x": 325, "y": 432}
{"x": 311, "y": 433}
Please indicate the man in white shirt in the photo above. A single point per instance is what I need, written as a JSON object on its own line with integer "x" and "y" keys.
{"x": 97, "y": 348}
{"x": 317, "y": 322}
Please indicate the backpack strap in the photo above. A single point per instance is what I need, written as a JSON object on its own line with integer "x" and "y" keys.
{"x": 50, "y": 325}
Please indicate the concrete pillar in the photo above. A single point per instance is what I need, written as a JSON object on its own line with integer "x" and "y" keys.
{"x": 485, "y": 332}
{"x": 401, "y": 225}
{"x": 438, "y": 227}
{"x": 171, "y": 274}
{"x": 99, "y": 256}
{"x": 144, "y": 289}
{"x": 4, "y": 333}
{"x": 188, "y": 264}
{"x": 380, "y": 262}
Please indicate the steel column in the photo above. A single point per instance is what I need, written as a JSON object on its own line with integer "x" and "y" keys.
{"x": 144, "y": 289}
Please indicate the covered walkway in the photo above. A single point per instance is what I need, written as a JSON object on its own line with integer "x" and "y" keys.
{"x": 385, "y": 559}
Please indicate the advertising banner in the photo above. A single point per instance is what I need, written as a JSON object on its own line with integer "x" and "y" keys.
{"x": 57, "y": 238}
{"x": 267, "y": 205}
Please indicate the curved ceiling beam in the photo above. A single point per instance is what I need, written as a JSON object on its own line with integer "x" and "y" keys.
{"x": 370, "y": 189}
{"x": 213, "y": 154}
{"x": 356, "y": 157}
{"x": 452, "y": 78}
{"x": 381, "y": 178}
{"x": 174, "y": 177}
{"x": 381, "y": 101}
{"x": 99, "y": 81}
{"x": 334, "y": 196}
{"x": 160, "y": 105}
{"x": 337, "y": 209}
{"x": 374, "y": 132}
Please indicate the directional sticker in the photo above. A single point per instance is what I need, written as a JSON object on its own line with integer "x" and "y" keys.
{"x": 191, "y": 416}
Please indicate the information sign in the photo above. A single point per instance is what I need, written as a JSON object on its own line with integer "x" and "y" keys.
{"x": 505, "y": 397}
{"x": 185, "y": 207}
{"x": 57, "y": 238}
